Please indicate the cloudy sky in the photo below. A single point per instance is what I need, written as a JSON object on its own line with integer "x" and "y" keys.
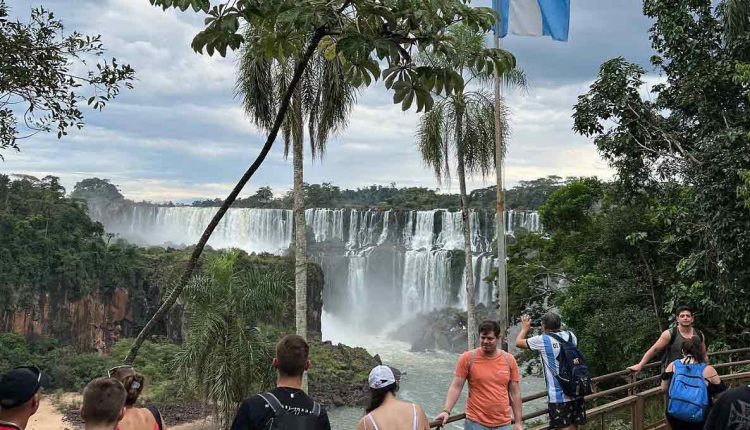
{"x": 180, "y": 133}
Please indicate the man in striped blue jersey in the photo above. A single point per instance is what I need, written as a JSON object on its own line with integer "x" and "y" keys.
{"x": 565, "y": 412}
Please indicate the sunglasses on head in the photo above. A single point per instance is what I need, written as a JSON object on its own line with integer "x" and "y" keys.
{"x": 114, "y": 369}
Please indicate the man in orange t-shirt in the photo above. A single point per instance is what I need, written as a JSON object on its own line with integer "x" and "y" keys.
{"x": 493, "y": 385}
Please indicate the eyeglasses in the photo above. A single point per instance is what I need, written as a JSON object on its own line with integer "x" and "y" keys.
{"x": 124, "y": 366}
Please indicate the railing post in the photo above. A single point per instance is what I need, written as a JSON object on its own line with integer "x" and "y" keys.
{"x": 638, "y": 414}
{"x": 631, "y": 379}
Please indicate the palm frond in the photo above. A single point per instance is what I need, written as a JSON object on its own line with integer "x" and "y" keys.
{"x": 736, "y": 19}
{"x": 224, "y": 356}
{"x": 478, "y": 149}
{"x": 337, "y": 96}
{"x": 431, "y": 140}
{"x": 254, "y": 85}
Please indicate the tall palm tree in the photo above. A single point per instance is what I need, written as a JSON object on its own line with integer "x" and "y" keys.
{"x": 461, "y": 128}
{"x": 324, "y": 99}
{"x": 225, "y": 356}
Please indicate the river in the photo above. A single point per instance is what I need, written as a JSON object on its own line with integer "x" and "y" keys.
{"x": 426, "y": 374}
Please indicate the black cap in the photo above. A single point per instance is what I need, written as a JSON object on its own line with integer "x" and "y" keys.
{"x": 18, "y": 386}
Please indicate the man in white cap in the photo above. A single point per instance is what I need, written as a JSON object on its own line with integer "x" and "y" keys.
{"x": 385, "y": 411}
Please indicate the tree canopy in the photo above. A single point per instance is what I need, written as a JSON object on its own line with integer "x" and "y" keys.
{"x": 372, "y": 39}
{"x": 41, "y": 87}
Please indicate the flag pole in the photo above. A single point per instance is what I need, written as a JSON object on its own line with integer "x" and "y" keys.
{"x": 501, "y": 292}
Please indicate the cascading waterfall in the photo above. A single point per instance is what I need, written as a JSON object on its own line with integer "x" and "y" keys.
{"x": 482, "y": 267}
{"x": 409, "y": 261}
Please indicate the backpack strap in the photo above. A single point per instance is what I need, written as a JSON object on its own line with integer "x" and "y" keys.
{"x": 316, "y": 409}
{"x": 157, "y": 415}
{"x": 700, "y": 335}
{"x": 273, "y": 402}
{"x": 474, "y": 354}
{"x": 471, "y": 361}
{"x": 559, "y": 338}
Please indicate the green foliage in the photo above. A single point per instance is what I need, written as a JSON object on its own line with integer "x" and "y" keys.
{"x": 225, "y": 356}
{"x": 51, "y": 246}
{"x": 338, "y": 363}
{"x": 369, "y": 39}
{"x": 157, "y": 363}
{"x": 96, "y": 189}
{"x": 603, "y": 266}
{"x": 529, "y": 195}
{"x": 680, "y": 157}
{"x": 45, "y": 70}
{"x": 70, "y": 370}
{"x": 744, "y": 189}
{"x": 570, "y": 207}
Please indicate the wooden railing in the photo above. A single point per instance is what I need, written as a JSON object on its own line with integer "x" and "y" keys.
{"x": 638, "y": 394}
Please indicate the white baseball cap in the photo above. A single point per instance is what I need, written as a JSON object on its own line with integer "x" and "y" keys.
{"x": 382, "y": 376}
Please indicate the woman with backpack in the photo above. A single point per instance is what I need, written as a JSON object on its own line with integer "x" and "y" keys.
{"x": 690, "y": 383}
{"x": 147, "y": 418}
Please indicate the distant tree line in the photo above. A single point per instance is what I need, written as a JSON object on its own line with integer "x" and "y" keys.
{"x": 528, "y": 195}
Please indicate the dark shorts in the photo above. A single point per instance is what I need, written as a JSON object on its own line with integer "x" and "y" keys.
{"x": 565, "y": 414}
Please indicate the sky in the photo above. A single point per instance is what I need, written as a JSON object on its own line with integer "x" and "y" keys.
{"x": 181, "y": 135}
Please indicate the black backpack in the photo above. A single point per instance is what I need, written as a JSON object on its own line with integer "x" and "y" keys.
{"x": 285, "y": 420}
{"x": 573, "y": 374}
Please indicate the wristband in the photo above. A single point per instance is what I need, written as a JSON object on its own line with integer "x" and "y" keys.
{"x": 446, "y": 411}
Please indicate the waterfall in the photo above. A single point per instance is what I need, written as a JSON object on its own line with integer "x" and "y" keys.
{"x": 483, "y": 292}
{"x": 426, "y": 283}
{"x": 410, "y": 261}
{"x": 419, "y": 231}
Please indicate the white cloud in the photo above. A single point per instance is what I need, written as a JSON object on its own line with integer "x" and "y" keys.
{"x": 181, "y": 135}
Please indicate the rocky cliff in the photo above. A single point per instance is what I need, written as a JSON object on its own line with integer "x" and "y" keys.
{"x": 96, "y": 321}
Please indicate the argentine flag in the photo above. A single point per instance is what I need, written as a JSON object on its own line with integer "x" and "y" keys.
{"x": 533, "y": 18}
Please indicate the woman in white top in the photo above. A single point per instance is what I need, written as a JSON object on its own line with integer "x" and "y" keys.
{"x": 385, "y": 411}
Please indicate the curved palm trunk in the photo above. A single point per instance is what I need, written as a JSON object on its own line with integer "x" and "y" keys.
{"x": 171, "y": 298}
{"x": 468, "y": 267}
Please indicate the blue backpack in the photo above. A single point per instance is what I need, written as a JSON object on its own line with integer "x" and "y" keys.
{"x": 573, "y": 375}
{"x": 688, "y": 394}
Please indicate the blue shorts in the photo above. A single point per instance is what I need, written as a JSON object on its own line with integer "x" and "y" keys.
{"x": 471, "y": 425}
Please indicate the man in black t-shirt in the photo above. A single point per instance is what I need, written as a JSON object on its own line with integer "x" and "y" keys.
{"x": 731, "y": 411}
{"x": 286, "y": 403}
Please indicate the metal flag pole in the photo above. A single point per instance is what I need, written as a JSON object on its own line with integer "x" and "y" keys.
{"x": 501, "y": 292}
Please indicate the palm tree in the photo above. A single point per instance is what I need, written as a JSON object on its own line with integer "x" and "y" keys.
{"x": 225, "y": 356}
{"x": 736, "y": 17}
{"x": 461, "y": 128}
{"x": 324, "y": 98}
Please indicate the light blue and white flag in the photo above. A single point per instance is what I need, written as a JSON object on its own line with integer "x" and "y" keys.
{"x": 533, "y": 18}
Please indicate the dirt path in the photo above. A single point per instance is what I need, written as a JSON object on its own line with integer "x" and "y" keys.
{"x": 49, "y": 417}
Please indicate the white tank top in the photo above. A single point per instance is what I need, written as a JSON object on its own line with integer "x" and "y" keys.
{"x": 414, "y": 421}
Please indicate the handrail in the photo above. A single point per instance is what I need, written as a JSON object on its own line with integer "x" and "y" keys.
{"x": 628, "y": 386}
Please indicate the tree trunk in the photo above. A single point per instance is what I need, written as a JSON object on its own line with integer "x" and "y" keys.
{"x": 300, "y": 226}
{"x": 469, "y": 268}
{"x": 501, "y": 290}
{"x": 171, "y": 298}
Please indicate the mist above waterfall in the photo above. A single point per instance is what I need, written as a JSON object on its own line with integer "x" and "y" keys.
{"x": 379, "y": 265}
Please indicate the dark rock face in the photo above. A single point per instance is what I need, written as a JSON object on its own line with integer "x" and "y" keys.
{"x": 315, "y": 282}
{"x": 443, "y": 329}
{"x": 338, "y": 376}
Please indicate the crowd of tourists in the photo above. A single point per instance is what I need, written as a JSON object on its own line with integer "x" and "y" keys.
{"x": 494, "y": 400}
